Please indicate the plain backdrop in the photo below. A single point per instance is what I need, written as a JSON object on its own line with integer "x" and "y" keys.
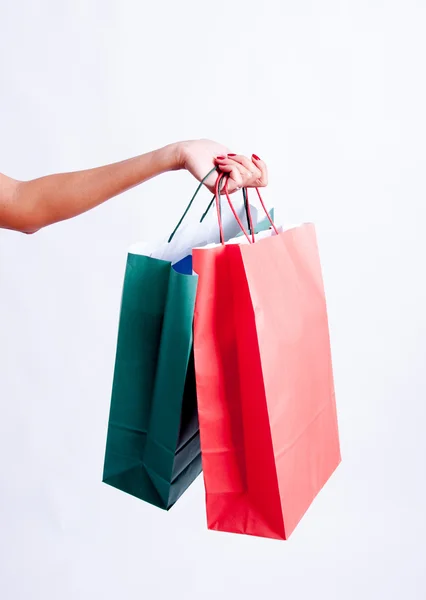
{"x": 332, "y": 95}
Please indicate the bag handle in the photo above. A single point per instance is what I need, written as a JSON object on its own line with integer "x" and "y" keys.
{"x": 270, "y": 219}
{"x": 247, "y": 208}
{"x": 223, "y": 177}
{"x": 190, "y": 204}
{"x": 248, "y": 212}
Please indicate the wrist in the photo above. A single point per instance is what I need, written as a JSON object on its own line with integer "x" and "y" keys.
{"x": 172, "y": 157}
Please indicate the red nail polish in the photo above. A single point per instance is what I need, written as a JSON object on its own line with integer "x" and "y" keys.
{"x": 255, "y": 157}
{"x": 232, "y": 155}
{"x": 220, "y": 157}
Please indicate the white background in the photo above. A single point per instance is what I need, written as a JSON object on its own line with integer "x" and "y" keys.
{"x": 332, "y": 94}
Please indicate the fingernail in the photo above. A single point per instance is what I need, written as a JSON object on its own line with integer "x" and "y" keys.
{"x": 232, "y": 155}
{"x": 220, "y": 157}
{"x": 255, "y": 157}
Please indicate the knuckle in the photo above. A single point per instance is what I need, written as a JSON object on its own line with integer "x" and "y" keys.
{"x": 236, "y": 174}
{"x": 245, "y": 171}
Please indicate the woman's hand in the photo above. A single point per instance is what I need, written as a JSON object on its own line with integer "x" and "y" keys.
{"x": 199, "y": 156}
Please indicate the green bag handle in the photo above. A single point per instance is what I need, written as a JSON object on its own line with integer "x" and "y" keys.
{"x": 212, "y": 202}
{"x": 209, "y": 206}
{"x": 190, "y": 204}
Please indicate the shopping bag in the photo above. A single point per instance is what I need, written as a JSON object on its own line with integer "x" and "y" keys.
{"x": 265, "y": 392}
{"x": 153, "y": 449}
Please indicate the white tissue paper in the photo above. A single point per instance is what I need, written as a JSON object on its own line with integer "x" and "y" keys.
{"x": 194, "y": 235}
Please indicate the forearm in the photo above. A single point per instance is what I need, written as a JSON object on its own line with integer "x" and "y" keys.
{"x": 53, "y": 198}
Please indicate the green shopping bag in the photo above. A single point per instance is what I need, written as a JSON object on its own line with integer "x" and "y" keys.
{"x": 153, "y": 449}
{"x": 153, "y": 445}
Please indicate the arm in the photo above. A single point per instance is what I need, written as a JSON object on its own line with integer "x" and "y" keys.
{"x": 28, "y": 206}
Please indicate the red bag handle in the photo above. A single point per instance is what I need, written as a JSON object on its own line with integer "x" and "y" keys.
{"x": 265, "y": 210}
{"x": 218, "y": 188}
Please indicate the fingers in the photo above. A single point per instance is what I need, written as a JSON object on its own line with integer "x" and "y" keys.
{"x": 237, "y": 177}
{"x": 242, "y": 171}
{"x": 249, "y": 165}
{"x": 263, "y": 179}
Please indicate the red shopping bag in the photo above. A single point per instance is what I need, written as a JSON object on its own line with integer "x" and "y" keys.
{"x": 267, "y": 412}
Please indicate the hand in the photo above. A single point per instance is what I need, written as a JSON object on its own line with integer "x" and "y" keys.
{"x": 200, "y": 156}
